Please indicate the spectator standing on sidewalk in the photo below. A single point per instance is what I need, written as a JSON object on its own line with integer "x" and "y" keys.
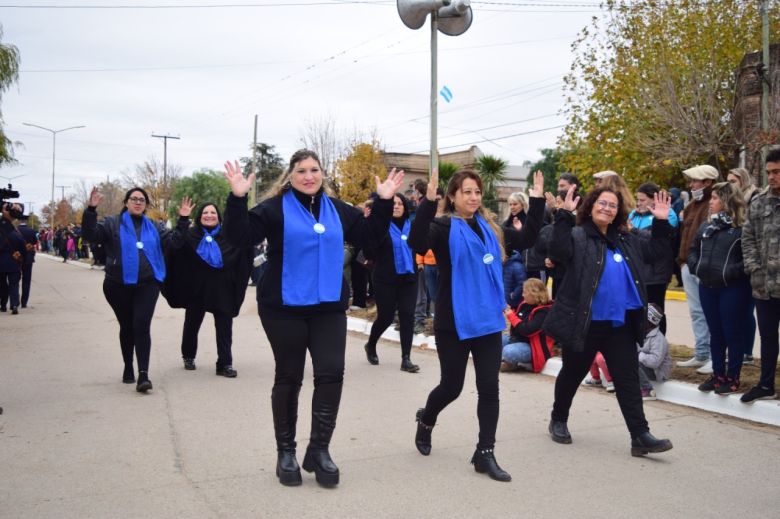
{"x": 761, "y": 249}
{"x": 700, "y": 180}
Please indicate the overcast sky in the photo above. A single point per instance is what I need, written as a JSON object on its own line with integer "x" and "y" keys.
{"x": 201, "y": 73}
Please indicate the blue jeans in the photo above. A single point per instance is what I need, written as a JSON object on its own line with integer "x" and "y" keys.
{"x": 515, "y": 352}
{"x": 431, "y": 281}
{"x": 726, "y": 310}
{"x": 701, "y": 332}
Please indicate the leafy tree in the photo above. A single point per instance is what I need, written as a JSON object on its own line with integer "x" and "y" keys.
{"x": 492, "y": 170}
{"x": 651, "y": 88}
{"x": 159, "y": 184}
{"x": 550, "y": 165}
{"x": 203, "y": 186}
{"x": 9, "y": 73}
{"x": 446, "y": 170}
{"x": 270, "y": 165}
{"x": 357, "y": 170}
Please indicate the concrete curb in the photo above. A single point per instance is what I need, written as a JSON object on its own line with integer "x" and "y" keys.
{"x": 75, "y": 263}
{"x": 681, "y": 393}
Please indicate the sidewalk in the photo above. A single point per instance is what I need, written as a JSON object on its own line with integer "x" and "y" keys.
{"x": 76, "y": 442}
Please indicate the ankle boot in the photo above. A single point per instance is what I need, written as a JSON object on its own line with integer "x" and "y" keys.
{"x": 371, "y": 355}
{"x": 485, "y": 461}
{"x": 406, "y": 365}
{"x": 559, "y": 432}
{"x": 423, "y": 437}
{"x": 144, "y": 384}
{"x": 284, "y": 404}
{"x": 128, "y": 376}
{"x": 324, "y": 410}
{"x": 646, "y": 443}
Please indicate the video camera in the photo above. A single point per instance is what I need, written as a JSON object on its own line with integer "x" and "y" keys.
{"x": 16, "y": 210}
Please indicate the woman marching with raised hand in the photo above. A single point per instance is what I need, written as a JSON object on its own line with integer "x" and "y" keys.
{"x": 135, "y": 269}
{"x": 469, "y": 248}
{"x": 207, "y": 273}
{"x": 303, "y": 297}
{"x": 395, "y": 286}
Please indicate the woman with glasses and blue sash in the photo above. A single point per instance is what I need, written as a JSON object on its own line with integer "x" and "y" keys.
{"x": 469, "y": 248}
{"x": 135, "y": 270}
{"x": 303, "y": 296}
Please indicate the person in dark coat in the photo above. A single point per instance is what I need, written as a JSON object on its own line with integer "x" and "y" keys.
{"x": 206, "y": 273}
{"x": 135, "y": 269}
{"x": 602, "y": 303}
{"x": 303, "y": 297}
{"x": 12, "y": 255}
{"x": 30, "y": 244}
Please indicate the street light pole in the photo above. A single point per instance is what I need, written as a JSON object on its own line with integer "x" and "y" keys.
{"x": 53, "y": 158}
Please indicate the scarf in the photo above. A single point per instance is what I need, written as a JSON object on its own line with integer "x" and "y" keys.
{"x": 402, "y": 254}
{"x": 616, "y": 292}
{"x": 313, "y": 253}
{"x": 208, "y": 249}
{"x": 477, "y": 283}
{"x": 149, "y": 244}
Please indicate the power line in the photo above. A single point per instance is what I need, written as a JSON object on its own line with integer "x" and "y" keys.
{"x": 192, "y": 6}
{"x": 495, "y": 138}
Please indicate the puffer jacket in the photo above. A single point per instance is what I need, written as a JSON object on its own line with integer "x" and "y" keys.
{"x": 715, "y": 255}
{"x": 533, "y": 261}
{"x": 761, "y": 245}
{"x": 657, "y": 271}
{"x": 654, "y": 354}
{"x": 514, "y": 277}
{"x": 581, "y": 249}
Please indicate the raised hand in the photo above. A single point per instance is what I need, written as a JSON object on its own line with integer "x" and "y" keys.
{"x": 239, "y": 185}
{"x": 570, "y": 202}
{"x": 95, "y": 197}
{"x": 516, "y": 223}
{"x": 538, "y": 190}
{"x": 433, "y": 183}
{"x": 661, "y": 204}
{"x": 552, "y": 203}
{"x": 388, "y": 188}
{"x": 185, "y": 210}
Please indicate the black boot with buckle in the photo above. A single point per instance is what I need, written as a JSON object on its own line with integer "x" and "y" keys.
{"x": 284, "y": 404}
{"x": 423, "y": 437}
{"x": 324, "y": 410}
{"x": 484, "y": 461}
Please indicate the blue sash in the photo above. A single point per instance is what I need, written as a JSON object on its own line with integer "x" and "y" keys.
{"x": 477, "y": 281}
{"x": 131, "y": 247}
{"x": 616, "y": 292}
{"x": 402, "y": 254}
{"x": 313, "y": 253}
{"x": 208, "y": 249}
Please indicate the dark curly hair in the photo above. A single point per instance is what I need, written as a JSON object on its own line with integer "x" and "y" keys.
{"x": 585, "y": 210}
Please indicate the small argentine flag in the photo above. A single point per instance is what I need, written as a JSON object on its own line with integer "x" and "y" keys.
{"x": 446, "y": 93}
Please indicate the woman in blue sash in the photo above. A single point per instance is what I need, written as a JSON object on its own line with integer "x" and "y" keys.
{"x": 469, "y": 248}
{"x": 135, "y": 269}
{"x": 395, "y": 285}
{"x": 303, "y": 296}
{"x": 207, "y": 274}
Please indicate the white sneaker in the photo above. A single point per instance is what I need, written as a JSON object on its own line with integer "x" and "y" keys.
{"x": 692, "y": 363}
{"x": 706, "y": 369}
{"x": 593, "y": 382}
{"x": 610, "y": 387}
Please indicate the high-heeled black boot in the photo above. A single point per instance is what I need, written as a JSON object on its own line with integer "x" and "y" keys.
{"x": 484, "y": 461}
{"x": 371, "y": 355}
{"x": 284, "y": 404}
{"x": 324, "y": 410}
{"x": 423, "y": 437}
{"x": 646, "y": 443}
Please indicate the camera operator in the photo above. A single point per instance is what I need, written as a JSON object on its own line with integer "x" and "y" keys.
{"x": 12, "y": 255}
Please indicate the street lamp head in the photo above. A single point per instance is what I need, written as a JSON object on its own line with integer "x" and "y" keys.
{"x": 456, "y": 18}
{"x": 414, "y": 12}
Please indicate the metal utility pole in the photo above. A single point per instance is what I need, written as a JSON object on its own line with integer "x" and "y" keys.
{"x": 30, "y": 207}
{"x": 63, "y": 191}
{"x": 53, "y": 156}
{"x": 765, "y": 78}
{"x": 165, "y": 166}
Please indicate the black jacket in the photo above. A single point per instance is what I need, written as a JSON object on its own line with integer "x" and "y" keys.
{"x": 266, "y": 221}
{"x": 581, "y": 249}
{"x": 715, "y": 256}
{"x": 193, "y": 283}
{"x": 429, "y": 232}
{"x": 107, "y": 233}
{"x": 533, "y": 260}
{"x": 384, "y": 261}
{"x": 11, "y": 242}
{"x": 657, "y": 271}
{"x": 30, "y": 240}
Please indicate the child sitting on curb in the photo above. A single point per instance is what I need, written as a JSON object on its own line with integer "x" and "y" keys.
{"x": 655, "y": 363}
{"x": 526, "y": 346}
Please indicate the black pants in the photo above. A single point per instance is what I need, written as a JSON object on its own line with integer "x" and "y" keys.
{"x": 193, "y": 318}
{"x": 9, "y": 288}
{"x": 768, "y": 312}
{"x": 362, "y": 285}
{"x": 133, "y": 306}
{"x": 619, "y": 350}
{"x": 656, "y": 293}
{"x": 390, "y": 297}
{"x": 453, "y": 359}
{"x": 26, "y": 282}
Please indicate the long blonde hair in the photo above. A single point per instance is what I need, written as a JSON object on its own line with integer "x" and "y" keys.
{"x": 455, "y": 184}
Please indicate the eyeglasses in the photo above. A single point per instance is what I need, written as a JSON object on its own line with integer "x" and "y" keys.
{"x": 607, "y": 205}
{"x": 137, "y": 200}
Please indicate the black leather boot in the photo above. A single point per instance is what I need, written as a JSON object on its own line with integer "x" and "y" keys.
{"x": 324, "y": 410}
{"x": 284, "y": 404}
{"x": 128, "y": 376}
{"x": 423, "y": 437}
{"x": 144, "y": 384}
{"x": 485, "y": 461}
{"x": 406, "y": 365}
{"x": 559, "y": 432}
{"x": 371, "y": 355}
{"x": 646, "y": 443}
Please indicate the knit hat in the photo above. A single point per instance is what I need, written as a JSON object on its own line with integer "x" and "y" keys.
{"x": 654, "y": 314}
